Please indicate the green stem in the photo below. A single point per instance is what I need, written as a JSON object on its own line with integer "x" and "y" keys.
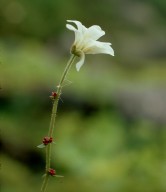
{"x": 52, "y": 121}
{"x": 45, "y": 182}
{"x": 55, "y": 102}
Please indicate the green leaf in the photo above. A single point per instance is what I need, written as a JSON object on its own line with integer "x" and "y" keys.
{"x": 59, "y": 176}
{"x": 43, "y": 175}
{"x": 41, "y": 146}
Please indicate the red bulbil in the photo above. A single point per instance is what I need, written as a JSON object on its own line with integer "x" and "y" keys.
{"x": 52, "y": 172}
{"x": 51, "y": 139}
{"x": 47, "y": 140}
{"x": 54, "y": 94}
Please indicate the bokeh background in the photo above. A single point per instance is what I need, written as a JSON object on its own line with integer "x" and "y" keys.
{"x": 111, "y": 124}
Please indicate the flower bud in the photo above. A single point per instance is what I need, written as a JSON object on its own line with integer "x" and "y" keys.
{"x": 47, "y": 140}
{"x": 53, "y": 95}
{"x": 52, "y": 172}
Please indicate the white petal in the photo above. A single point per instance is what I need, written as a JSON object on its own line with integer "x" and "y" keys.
{"x": 81, "y": 61}
{"x": 94, "y": 32}
{"x": 79, "y": 32}
{"x": 95, "y": 47}
{"x": 81, "y": 28}
{"x": 70, "y": 27}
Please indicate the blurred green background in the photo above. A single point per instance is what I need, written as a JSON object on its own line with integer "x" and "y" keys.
{"x": 111, "y": 124}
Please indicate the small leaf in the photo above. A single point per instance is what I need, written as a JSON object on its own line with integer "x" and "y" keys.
{"x": 59, "y": 176}
{"x": 43, "y": 175}
{"x": 41, "y": 146}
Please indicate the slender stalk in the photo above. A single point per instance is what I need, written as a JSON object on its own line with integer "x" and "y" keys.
{"x": 55, "y": 102}
{"x": 45, "y": 182}
{"x": 52, "y": 121}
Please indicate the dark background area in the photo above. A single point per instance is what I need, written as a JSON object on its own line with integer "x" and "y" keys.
{"x": 111, "y": 125}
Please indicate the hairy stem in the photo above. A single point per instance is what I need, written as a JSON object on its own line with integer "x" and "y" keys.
{"x": 52, "y": 121}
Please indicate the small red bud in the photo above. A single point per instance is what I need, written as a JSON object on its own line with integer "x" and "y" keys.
{"x": 47, "y": 140}
{"x": 54, "y": 94}
{"x": 50, "y": 140}
{"x": 52, "y": 172}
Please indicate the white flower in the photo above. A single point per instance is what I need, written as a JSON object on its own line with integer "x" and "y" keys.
{"x": 86, "y": 41}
